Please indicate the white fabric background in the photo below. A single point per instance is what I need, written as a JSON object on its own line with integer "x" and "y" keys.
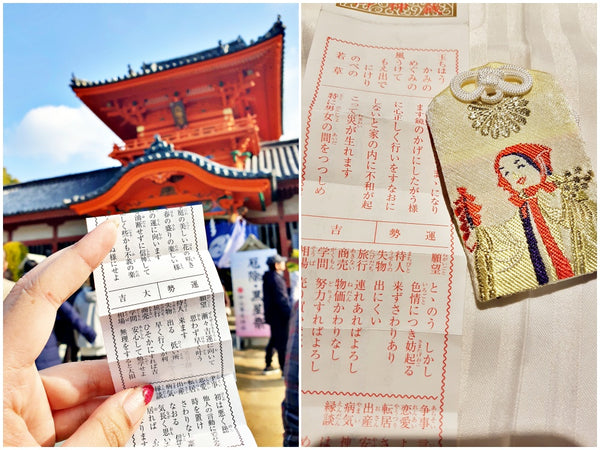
{"x": 528, "y": 373}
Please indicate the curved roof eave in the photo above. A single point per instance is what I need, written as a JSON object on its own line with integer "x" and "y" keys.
{"x": 161, "y": 155}
{"x": 277, "y": 159}
{"x": 47, "y": 194}
{"x": 161, "y": 66}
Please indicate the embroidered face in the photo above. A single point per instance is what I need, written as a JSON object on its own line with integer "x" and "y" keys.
{"x": 519, "y": 171}
{"x": 522, "y": 169}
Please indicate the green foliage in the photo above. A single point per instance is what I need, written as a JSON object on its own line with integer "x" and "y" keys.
{"x": 8, "y": 178}
{"x": 15, "y": 254}
{"x": 292, "y": 266}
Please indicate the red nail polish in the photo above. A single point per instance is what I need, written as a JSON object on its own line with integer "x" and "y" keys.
{"x": 148, "y": 392}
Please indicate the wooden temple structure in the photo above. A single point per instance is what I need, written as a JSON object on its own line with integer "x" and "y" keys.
{"x": 202, "y": 128}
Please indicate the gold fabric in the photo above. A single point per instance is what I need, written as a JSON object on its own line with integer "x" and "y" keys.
{"x": 467, "y": 138}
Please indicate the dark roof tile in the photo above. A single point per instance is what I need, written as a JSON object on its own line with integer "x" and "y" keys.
{"x": 49, "y": 193}
{"x": 148, "y": 68}
{"x": 278, "y": 160}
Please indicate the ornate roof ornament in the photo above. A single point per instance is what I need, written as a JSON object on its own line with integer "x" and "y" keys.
{"x": 158, "y": 146}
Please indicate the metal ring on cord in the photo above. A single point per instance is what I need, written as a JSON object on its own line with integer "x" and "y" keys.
{"x": 491, "y": 83}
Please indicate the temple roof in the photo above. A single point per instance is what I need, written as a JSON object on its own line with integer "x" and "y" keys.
{"x": 282, "y": 158}
{"x": 150, "y": 68}
{"x": 49, "y": 193}
{"x": 278, "y": 160}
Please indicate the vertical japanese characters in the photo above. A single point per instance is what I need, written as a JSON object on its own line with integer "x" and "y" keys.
{"x": 162, "y": 312}
{"x": 377, "y": 250}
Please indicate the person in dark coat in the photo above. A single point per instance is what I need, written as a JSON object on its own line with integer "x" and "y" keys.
{"x": 290, "y": 409}
{"x": 277, "y": 309}
{"x": 49, "y": 356}
{"x": 65, "y": 332}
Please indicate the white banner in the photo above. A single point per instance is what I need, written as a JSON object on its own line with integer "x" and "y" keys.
{"x": 247, "y": 269}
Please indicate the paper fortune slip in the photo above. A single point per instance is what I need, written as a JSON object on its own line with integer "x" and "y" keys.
{"x": 383, "y": 276}
{"x": 163, "y": 320}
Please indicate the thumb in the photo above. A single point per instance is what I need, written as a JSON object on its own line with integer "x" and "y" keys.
{"x": 113, "y": 423}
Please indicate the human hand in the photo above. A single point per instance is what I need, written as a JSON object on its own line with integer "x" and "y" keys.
{"x": 73, "y": 402}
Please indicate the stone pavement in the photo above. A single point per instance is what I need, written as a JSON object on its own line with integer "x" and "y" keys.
{"x": 261, "y": 396}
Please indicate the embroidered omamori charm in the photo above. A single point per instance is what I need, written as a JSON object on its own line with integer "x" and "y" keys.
{"x": 521, "y": 188}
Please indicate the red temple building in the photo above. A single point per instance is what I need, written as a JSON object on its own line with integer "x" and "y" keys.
{"x": 202, "y": 128}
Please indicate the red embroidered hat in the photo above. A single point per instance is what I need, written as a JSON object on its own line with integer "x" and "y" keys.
{"x": 536, "y": 153}
{"x": 539, "y": 156}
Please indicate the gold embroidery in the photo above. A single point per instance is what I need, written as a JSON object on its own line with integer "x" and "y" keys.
{"x": 579, "y": 216}
{"x": 499, "y": 119}
{"x": 500, "y": 258}
{"x": 483, "y": 265}
{"x": 404, "y": 9}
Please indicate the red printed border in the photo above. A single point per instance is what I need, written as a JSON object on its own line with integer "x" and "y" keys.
{"x": 443, "y": 387}
{"x": 442, "y": 396}
{"x": 370, "y": 395}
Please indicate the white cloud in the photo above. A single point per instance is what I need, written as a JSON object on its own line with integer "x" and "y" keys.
{"x": 61, "y": 135}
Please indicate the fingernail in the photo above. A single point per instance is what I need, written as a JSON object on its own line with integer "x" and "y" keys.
{"x": 135, "y": 403}
{"x": 148, "y": 392}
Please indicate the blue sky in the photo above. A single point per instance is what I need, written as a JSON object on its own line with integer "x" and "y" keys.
{"x": 47, "y": 131}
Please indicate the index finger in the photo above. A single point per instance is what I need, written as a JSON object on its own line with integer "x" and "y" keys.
{"x": 74, "y": 383}
{"x": 30, "y": 308}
